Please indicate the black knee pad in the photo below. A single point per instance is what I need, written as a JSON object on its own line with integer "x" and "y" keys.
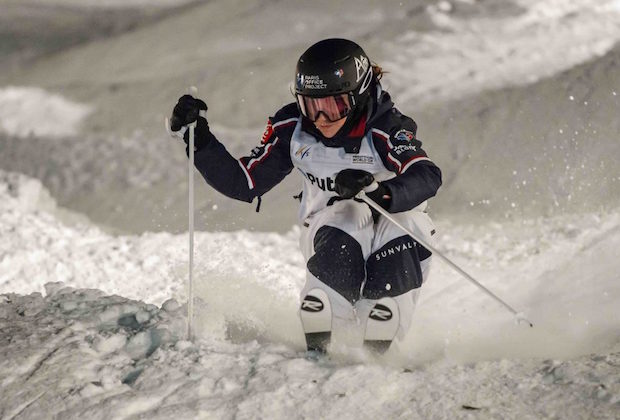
{"x": 338, "y": 262}
{"x": 394, "y": 269}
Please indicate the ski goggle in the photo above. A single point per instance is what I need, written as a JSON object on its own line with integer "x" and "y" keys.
{"x": 333, "y": 107}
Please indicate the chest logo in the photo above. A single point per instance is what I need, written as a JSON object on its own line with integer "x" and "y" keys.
{"x": 363, "y": 159}
{"x": 302, "y": 152}
{"x": 324, "y": 184}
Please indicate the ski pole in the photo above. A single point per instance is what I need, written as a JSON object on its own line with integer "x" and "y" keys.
{"x": 190, "y": 302}
{"x": 520, "y": 316}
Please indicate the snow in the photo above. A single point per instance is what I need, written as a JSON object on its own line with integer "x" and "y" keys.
{"x": 107, "y": 3}
{"x": 108, "y": 355}
{"x": 40, "y": 247}
{"x": 479, "y": 53}
{"x": 32, "y": 111}
{"x": 78, "y": 362}
{"x": 92, "y": 323}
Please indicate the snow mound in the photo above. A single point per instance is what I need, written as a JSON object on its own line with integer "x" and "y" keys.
{"x": 488, "y": 52}
{"x": 561, "y": 271}
{"x": 113, "y": 3}
{"x": 79, "y": 353}
{"x": 32, "y": 111}
{"x": 24, "y": 194}
{"x": 249, "y": 282}
{"x": 38, "y": 248}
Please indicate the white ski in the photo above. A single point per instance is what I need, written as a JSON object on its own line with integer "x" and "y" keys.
{"x": 382, "y": 325}
{"x": 316, "y": 319}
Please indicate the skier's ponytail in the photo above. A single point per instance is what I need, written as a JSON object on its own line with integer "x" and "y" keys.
{"x": 377, "y": 71}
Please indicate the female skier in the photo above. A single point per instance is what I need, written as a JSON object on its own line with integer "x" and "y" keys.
{"x": 344, "y": 135}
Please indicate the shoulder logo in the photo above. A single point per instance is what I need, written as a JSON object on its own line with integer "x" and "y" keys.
{"x": 256, "y": 152}
{"x": 404, "y": 135}
{"x": 267, "y": 133}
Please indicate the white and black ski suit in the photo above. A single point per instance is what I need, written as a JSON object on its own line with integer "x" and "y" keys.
{"x": 354, "y": 257}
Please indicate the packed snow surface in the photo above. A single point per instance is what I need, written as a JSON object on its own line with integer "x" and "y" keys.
{"x": 77, "y": 353}
{"x": 77, "y": 348}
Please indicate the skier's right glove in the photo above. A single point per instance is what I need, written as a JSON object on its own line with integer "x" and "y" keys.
{"x": 188, "y": 110}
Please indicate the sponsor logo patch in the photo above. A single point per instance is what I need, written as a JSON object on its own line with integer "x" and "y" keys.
{"x": 393, "y": 250}
{"x": 363, "y": 159}
{"x": 302, "y": 152}
{"x": 361, "y": 65}
{"x": 402, "y": 148}
{"x": 256, "y": 152}
{"x": 306, "y": 81}
{"x": 404, "y": 135}
{"x": 324, "y": 184}
{"x": 267, "y": 133}
{"x": 312, "y": 304}
{"x": 380, "y": 313}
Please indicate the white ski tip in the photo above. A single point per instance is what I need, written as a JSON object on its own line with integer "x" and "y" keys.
{"x": 316, "y": 312}
{"x": 383, "y": 321}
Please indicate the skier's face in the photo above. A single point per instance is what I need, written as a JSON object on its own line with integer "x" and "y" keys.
{"x": 328, "y": 128}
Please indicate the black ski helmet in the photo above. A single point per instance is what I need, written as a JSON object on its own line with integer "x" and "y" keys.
{"x": 334, "y": 66}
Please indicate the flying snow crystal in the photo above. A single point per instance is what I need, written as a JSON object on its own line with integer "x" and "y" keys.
{"x": 54, "y": 115}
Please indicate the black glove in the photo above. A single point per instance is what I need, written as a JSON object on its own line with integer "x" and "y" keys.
{"x": 186, "y": 111}
{"x": 351, "y": 181}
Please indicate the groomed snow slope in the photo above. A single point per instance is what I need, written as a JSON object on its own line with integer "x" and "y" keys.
{"x": 82, "y": 352}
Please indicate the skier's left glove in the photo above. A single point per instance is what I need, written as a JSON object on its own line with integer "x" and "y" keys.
{"x": 349, "y": 182}
{"x": 187, "y": 111}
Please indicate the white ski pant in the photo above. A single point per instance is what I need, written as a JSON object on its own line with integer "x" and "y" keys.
{"x": 357, "y": 261}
